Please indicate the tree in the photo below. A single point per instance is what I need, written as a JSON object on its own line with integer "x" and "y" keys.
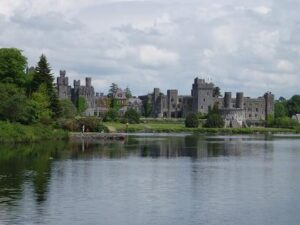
{"x": 43, "y": 75}
{"x": 12, "y": 66}
{"x": 42, "y": 101}
{"x": 131, "y": 116}
{"x": 81, "y": 104}
{"x": 192, "y": 121}
{"x": 112, "y": 90}
{"x": 217, "y": 92}
{"x": 214, "y": 118}
{"x": 280, "y": 109}
{"x": 147, "y": 107}
{"x": 111, "y": 115}
{"x": 293, "y": 105}
{"x": 68, "y": 110}
{"x": 128, "y": 92}
{"x": 14, "y": 106}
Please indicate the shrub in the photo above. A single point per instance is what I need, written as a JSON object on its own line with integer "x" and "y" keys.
{"x": 111, "y": 115}
{"x": 192, "y": 121}
{"x": 92, "y": 124}
{"x": 214, "y": 120}
{"x": 131, "y": 116}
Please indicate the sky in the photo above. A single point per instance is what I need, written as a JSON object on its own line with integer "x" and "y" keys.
{"x": 251, "y": 46}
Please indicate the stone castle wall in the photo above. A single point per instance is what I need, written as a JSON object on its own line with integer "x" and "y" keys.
{"x": 174, "y": 105}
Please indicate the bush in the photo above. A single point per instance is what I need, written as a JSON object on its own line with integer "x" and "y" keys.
{"x": 283, "y": 122}
{"x": 214, "y": 120}
{"x": 112, "y": 115}
{"x": 68, "y": 124}
{"x": 131, "y": 116}
{"x": 192, "y": 121}
{"x": 92, "y": 124}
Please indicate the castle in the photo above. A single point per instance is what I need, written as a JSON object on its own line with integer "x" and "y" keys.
{"x": 237, "y": 112}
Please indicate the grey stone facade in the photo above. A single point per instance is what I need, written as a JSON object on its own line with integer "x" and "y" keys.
{"x": 65, "y": 91}
{"x": 236, "y": 111}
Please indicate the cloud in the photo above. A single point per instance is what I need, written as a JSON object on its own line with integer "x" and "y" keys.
{"x": 241, "y": 45}
{"x": 153, "y": 56}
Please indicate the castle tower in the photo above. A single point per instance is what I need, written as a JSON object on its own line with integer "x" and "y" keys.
{"x": 88, "y": 82}
{"x": 63, "y": 88}
{"x": 202, "y": 94}
{"x": 227, "y": 100}
{"x": 172, "y": 99}
{"x": 239, "y": 100}
{"x": 269, "y": 104}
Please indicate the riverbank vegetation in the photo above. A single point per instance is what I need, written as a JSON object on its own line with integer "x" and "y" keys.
{"x": 180, "y": 127}
{"x": 17, "y": 133}
{"x": 29, "y": 104}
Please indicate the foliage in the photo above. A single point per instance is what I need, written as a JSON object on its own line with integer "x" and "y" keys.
{"x": 17, "y": 133}
{"x": 42, "y": 104}
{"x": 293, "y": 105}
{"x": 280, "y": 109}
{"x": 131, "y": 116}
{"x": 14, "y": 106}
{"x": 281, "y": 122}
{"x": 114, "y": 104}
{"x": 68, "y": 110}
{"x": 147, "y": 107}
{"x": 201, "y": 115}
{"x": 177, "y": 128}
{"x": 128, "y": 92}
{"x": 81, "y": 104}
{"x": 217, "y": 92}
{"x": 43, "y": 75}
{"x": 214, "y": 119}
{"x": 92, "y": 124}
{"x": 112, "y": 90}
{"x": 12, "y": 66}
{"x": 111, "y": 115}
{"x": 192, "y": 121}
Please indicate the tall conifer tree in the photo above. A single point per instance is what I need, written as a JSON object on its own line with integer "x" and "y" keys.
{"x": 43, "y": 75}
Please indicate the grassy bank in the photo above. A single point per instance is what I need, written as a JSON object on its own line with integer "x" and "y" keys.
{"x": 179, "y": 127}
{"x": 17, "y": 133}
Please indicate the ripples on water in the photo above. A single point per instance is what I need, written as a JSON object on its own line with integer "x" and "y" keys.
{"x": 153, "y": 179}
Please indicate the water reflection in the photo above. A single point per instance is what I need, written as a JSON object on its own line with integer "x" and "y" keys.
{"x": 28, "y": 171}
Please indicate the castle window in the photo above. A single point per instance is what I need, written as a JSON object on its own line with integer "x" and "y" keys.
{"x": 201, "y": 106}
{"x": 255, "y": 115}
{"x": 256, "y": 109}
{"x": 250, "y": 115}
{"x": 204, "y": 99}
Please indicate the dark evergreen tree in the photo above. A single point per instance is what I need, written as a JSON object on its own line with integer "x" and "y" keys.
{"x": 43, "y": 75}
{"x": 128, "y": 93}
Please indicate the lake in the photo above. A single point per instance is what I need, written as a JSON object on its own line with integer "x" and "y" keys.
{"x": 153, "y": 179}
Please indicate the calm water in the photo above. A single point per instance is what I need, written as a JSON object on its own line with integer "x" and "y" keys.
{"x": 157, "y": 180}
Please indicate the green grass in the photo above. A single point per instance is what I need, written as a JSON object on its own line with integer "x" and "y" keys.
{"x": 17, "y": 133}
{"x": 179, "y": 127}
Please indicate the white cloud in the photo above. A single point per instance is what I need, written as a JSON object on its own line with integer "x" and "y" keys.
{"x": 242, "y": 45}
{"x": 262, "y": 10}
{"x": 153, "y": 56}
